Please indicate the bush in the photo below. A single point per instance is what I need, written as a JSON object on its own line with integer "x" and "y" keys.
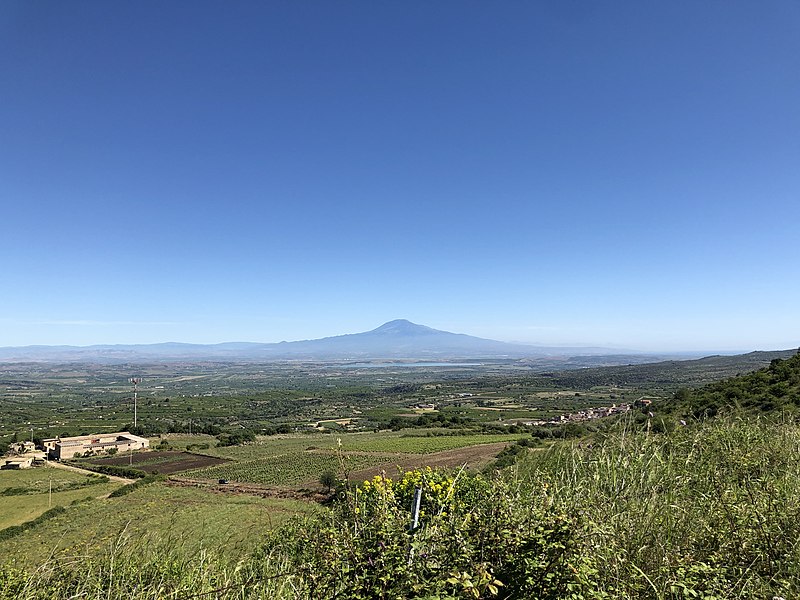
{"x": 236, "y": 438}
{"x": 127, "y": 472}
{"x": 477, "y": 536}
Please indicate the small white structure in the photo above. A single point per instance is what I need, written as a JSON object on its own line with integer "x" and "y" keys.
{"x": 22, "y": 447}
{"x": 18, "y": 463}
{"x": 63, "y": 448}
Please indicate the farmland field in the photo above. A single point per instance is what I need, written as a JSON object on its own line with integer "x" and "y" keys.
{"x": 415, "y": 442}
{"x": 163, "y": 463}
{"x": 24, "y": 495}
{"x": 301, "y": 459}
{"x": 284, "y": 470}
{"x": 72, "y": 399}
{"x": 184, "y": 517}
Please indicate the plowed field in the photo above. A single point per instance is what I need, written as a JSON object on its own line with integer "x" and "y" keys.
{"x": 164, "y": 463}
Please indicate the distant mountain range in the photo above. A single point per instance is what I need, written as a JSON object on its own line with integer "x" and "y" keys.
{"x": 399, "y": 339}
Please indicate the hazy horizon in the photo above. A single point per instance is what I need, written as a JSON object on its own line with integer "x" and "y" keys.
{"x": 619, "y": 175}
{"x": 610, "y": 347}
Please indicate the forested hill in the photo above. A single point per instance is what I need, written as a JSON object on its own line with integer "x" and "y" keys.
{"x": 776, "y": 387}
{"x": 690, "y": 373}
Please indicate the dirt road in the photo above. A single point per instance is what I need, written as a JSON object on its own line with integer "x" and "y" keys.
{"x": 59, "y": 465}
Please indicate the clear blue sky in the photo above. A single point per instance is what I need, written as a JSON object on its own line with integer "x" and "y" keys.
{"x": 622, "y": 173}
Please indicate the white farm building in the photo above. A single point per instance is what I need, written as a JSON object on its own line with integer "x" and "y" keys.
{"x": 63, "y": 448}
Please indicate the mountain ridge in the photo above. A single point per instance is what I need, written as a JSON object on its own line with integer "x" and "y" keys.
{"x": 396, "y": 339}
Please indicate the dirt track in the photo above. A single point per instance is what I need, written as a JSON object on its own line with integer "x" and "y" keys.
{"x": 59, "y": 465}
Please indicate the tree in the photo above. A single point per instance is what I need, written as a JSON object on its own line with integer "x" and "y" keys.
{"x": 683, "y": 394}
{"x": 328, "y": 479}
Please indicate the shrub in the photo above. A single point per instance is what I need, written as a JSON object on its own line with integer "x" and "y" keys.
{"x": 477, "y": 536}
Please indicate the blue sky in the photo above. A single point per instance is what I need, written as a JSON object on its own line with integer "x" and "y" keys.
{"x": 625, "y": 173}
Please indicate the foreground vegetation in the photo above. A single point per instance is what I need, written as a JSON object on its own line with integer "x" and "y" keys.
{"x": 666, "y": 502}
{"x": 709, "y": 510}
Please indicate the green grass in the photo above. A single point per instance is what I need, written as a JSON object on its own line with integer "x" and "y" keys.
{"x": 408, "y": 441}
{"x": 16, "y": 509}
{"x": 186, "y": 518}
{"x": 290, "y": 460}
{"x": 709, "y": 511}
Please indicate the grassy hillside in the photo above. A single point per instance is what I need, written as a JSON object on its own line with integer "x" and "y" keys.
{"x": 774, "y": 388}
{"x": 164, "y": 515}
{"x": 709, "y": 511}
{"x": 24, "y": 495}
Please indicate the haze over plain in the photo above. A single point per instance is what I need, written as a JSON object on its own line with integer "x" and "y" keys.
{"x": 621, "y": 175}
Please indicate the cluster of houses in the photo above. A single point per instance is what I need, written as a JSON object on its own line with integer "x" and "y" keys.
{"x": 588, "y": 414}
{"x": 598, "y": 412}
{"x": 24, "y": 455}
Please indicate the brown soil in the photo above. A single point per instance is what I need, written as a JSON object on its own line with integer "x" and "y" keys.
{"x": 171, "y": 461}
{"x": 251, "y": 489}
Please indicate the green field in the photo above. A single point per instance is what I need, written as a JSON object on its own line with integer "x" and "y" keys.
{"x": 645, "y": 506}
{"x": 406, "y": 442}
{"x": 295, "y": 459}
{"x": 24, "y": 495}
{"x": 185, "y": 517}
{"x": 413, "y": 441}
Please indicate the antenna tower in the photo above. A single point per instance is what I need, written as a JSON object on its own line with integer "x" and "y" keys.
{"x": 135, "y": 381}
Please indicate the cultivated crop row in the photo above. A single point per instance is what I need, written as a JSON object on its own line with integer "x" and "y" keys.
{"x": 284, "y": 470}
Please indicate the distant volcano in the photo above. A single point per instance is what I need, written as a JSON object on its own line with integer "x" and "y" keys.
{"x": 404, "y": 339}
{"x": 399, "y": 339}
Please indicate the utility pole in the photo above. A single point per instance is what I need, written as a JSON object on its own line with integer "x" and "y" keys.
{"x": 135, "y": 381}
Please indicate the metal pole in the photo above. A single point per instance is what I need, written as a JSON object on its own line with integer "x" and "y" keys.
{"x": 415, "y": 508}
{"x": 135, "y": 381}
{"x": 50, "y": 497}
